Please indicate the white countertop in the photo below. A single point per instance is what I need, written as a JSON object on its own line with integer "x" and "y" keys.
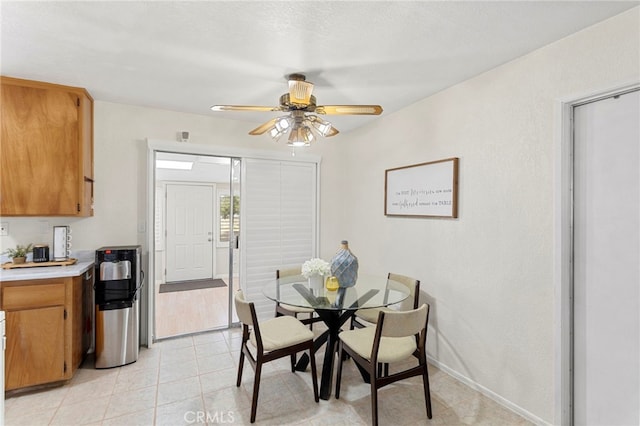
{"x": 42, "y": 272}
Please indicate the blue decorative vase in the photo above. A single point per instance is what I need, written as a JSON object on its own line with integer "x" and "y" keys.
{"x": 344, "y": 266}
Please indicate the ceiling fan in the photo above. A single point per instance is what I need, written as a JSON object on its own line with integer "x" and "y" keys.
{"x": 302, "y": 123}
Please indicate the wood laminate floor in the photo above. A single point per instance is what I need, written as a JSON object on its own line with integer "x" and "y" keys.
{"x": 186, "y": 312}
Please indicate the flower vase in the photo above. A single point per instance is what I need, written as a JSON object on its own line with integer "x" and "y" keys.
{"x": 344, "y": 266}
{"x": 316, "y": 282}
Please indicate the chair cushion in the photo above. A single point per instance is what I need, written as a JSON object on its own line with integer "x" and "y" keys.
{"x": 370, "y": 315}
{"x": 296, "y": 308}
{"x": 282, "y": 332}
{"x": 392, "y": 349}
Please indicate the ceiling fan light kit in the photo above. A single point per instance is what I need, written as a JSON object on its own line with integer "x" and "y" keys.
{"x": 323, "y": 127}
{"x": 280, "y": 127}
{"x": 300, "y": 90}
{"x": 302, "y": 124}
{"x": 301, "y": 136}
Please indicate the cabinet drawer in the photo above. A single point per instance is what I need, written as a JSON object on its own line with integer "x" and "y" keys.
{"x": 32, "y": 296}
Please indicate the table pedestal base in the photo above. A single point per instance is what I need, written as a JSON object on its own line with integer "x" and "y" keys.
{"x": 333, "y": 320}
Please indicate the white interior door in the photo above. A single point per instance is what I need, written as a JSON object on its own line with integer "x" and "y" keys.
{"x": 606, "y": 374}
{"x": 189, "y": 222}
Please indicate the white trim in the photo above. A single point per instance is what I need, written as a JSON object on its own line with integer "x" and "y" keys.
{"x": 316, "y": 244}
{"x": 229, "y": 151}
{"x": 220, "y": 192}
{"x": 488, "y": 392}
{"x": 242, "y": 284}
{"x": 151, "y": 247}
{"x": 562, "y": 259}
{"x": 235, "y": 182}
{"x": 563, "y": 244}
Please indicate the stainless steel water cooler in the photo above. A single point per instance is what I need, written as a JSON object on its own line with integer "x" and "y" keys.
{"x": 119, "y": 278}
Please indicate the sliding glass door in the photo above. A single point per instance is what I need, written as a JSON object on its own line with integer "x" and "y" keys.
{"x": 221, "y": 223}
{"x": 196, "y": 224}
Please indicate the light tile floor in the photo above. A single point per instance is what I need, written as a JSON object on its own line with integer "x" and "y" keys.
{"x": 191, "y": 381}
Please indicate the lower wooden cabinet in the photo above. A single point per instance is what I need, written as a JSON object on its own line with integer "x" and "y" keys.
{"x": 45, "y": 329}
{"x": 35, "y": 347}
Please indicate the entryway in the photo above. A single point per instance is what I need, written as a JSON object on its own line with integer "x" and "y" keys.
{"x": 275, "y": 200}
{"x": 194, "y": 223}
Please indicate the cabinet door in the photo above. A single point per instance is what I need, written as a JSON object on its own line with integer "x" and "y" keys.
{"x": 40, "y": 158}
{"x": 35, "y": 347}
{"x": 86, "y": 136}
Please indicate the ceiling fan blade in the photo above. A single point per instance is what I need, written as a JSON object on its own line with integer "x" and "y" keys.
{"x": 349, "y": 109}
{"x": 244, "y": 108}
{"x": 263, "y": 127}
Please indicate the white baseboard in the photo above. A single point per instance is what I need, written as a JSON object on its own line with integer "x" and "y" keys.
{"x": 489, "y": 393}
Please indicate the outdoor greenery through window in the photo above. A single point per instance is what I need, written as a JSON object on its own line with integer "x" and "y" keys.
{"x": 225, "y": 216}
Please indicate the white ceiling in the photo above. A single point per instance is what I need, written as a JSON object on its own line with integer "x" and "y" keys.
{"x": 187, "y": 56}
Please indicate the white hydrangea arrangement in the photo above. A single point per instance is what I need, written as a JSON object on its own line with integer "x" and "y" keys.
{"x": 315, "y": 266}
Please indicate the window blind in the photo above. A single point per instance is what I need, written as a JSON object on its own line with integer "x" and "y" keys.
{"x": 279, "y": 207}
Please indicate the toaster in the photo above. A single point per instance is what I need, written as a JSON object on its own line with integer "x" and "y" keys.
{"x": 40, "y": 253}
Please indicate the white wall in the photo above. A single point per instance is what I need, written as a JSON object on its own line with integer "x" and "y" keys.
{"x": 489, "y": 273}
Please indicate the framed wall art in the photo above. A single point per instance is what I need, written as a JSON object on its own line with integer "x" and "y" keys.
{"x": 422, "y": 190}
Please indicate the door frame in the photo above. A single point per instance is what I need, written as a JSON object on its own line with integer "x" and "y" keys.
{"x": 563, "y": 245}
{"x": 158, "y": 145}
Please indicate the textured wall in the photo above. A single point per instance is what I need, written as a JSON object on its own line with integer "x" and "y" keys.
{"x": 489, "y": 273}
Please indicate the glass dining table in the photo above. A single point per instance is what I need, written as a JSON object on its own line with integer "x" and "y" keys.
{"x": 334, "y": 308}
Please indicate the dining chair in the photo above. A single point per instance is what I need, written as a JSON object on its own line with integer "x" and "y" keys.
{"x": 272, "y": 339}
{"x": 371, "y": 315}
{"x": 284, "y": 309}
{"x": 397, "y": 336}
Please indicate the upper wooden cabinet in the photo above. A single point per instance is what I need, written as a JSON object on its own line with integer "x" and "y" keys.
{"x": 46, "y": 151}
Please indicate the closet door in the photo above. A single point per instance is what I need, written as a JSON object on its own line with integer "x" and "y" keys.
{"x": 607, "y": 259}
{"x": 279, "y": 207}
